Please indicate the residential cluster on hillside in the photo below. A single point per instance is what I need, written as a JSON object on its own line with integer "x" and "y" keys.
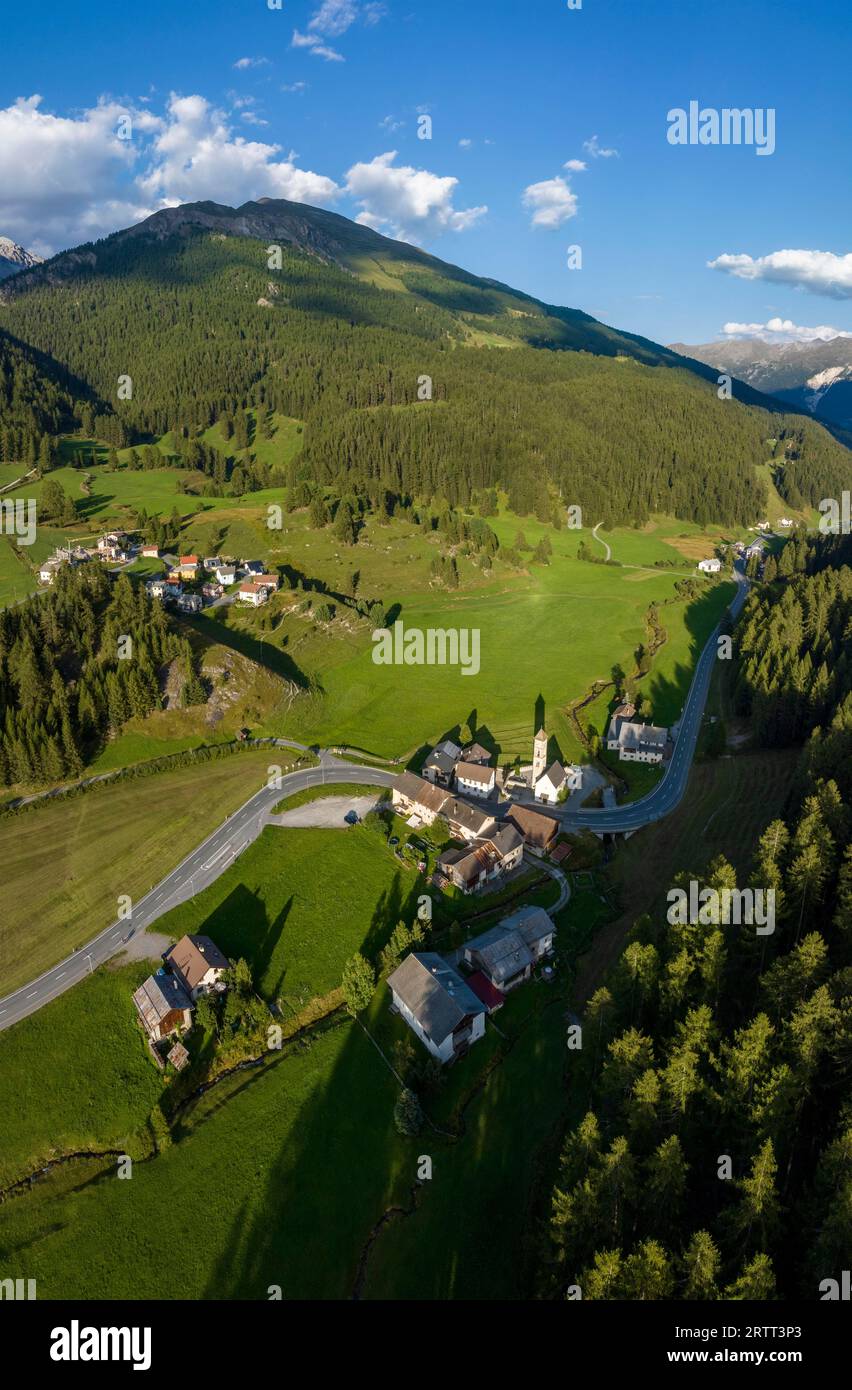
{"x": 166, "y": 1000}
{"x": 446, "y": 999}
{"x": 221, "y": 574}
{"x": 492, "y": 834}
{"x": 115, "y": 547}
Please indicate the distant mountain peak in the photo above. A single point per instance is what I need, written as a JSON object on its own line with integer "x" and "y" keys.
{"x": 14, "y": 258}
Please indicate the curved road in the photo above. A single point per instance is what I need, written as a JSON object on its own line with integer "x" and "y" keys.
{"x": 199, "y": 869}
{"x": 669, "y": 792}
{"x": 220, "y": 849}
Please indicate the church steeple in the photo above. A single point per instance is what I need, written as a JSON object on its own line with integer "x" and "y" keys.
{"x": 540, "y": 755}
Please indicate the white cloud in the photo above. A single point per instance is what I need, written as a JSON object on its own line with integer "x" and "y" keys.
{"x": 784, "y": 331}
{"x": 297, "y": 87}
{"x": 243, "y": 63}
{"x": 551, "y": 202}
{"x": 61, "y": 177}
{"x": 316, "y": 46}
{"x": 576, "y": 166}
{"x": 390, "y": 123}
{"x": 818, "y": 272}
{"x": 465, "y": 144}
{"x": 196, "y": 156}
{"x": 333, "y": 19}
{"x": 406, "y": 202}
{"x": 594, "y": 148}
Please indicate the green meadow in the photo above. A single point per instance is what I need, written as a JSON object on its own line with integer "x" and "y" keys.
{"x": 76, "y": 1076}
{"x": 313, "y": 1158}
{"x": 66, "y": 862}
{"x": 298, "y": 903}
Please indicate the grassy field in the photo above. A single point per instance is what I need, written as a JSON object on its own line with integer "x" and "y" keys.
{"x": 277, "y": 1181}
{"x": 76, "y": 1076}
{"x": 298, "y": 903}
{"x": 568, "y": 622}
{"x": 66, "y": 862}
{"x": 314, "y": 1162}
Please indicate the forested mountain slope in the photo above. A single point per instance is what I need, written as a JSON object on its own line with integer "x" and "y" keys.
{"x": 715, "y": 1157}
{"x": 344, "y": 334}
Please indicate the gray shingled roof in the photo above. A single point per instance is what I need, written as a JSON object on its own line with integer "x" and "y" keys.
{"x": 503, "y": 954}
{"x": 435, "y": 993}
{"x": 157, "y": 996}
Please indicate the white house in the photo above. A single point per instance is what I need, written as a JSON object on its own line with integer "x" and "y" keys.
{"x": 474, "y": 779}
{"x": 198, "y": 964}
{"x": 414, "y": 797}
{"x": 437, "y": 1004}
{"x": 637, "y": 743}
{"x": 253, "y": 568}
{"x": 557, "y": 778}
{"x": 226, "y": 575}
{"x": 710, "y": 566}
{"x": 255, "y": 594}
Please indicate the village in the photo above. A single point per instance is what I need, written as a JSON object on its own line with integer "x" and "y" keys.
{"x": 188, "y": 582}
{"x": 494, "y": 822}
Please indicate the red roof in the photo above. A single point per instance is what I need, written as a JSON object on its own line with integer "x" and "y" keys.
{"x": 560, "y": 852}
{"x": 485, "y": 992}
{"x": 189, "y": 559}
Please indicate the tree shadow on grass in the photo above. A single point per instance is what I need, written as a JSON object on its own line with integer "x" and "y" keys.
{"x": 338, "y": 1167}
{"x": 241, "y": 926}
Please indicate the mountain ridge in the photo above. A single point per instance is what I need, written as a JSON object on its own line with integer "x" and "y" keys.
{"x": 341, "y": 334}
{"x": 14, "y": 258}
{"x": 815, "y": 377}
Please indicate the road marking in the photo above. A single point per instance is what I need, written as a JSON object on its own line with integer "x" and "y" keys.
{"x": 211, "y": 862}
{"x": 61, "y": 976}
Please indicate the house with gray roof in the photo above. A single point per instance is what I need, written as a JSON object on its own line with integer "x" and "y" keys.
{"x": 437, "y": 1004}
{"x": 486, "y": 859}
{"x": 635, "y": 742}
{"x": 508, "y": 953}
{"x": 163, "y": 1005}
{"x": 440, "y": 765}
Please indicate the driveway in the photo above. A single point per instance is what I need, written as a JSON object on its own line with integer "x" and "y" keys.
{"x": 326, "y": 814}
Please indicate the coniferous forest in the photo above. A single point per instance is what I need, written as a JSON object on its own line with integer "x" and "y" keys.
{"x": 714, "y": 1159}
{"x": 64, "y": 685}
{"x": 394, "y": 392}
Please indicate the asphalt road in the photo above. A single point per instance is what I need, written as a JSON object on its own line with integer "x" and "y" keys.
{"x": 669, "y": 792}
{"x": 220, "y": 849}
{"x": 197, "y": 871}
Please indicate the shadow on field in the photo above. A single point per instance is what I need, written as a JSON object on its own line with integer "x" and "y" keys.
{"x": 666, "y": 695}
{"x": 343, "y": 1163}
{"x": 240, "y": 926}
{"x": 262, "y": 653}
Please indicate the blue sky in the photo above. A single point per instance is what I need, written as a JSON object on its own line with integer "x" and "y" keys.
{"x": 326, "y": 91}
